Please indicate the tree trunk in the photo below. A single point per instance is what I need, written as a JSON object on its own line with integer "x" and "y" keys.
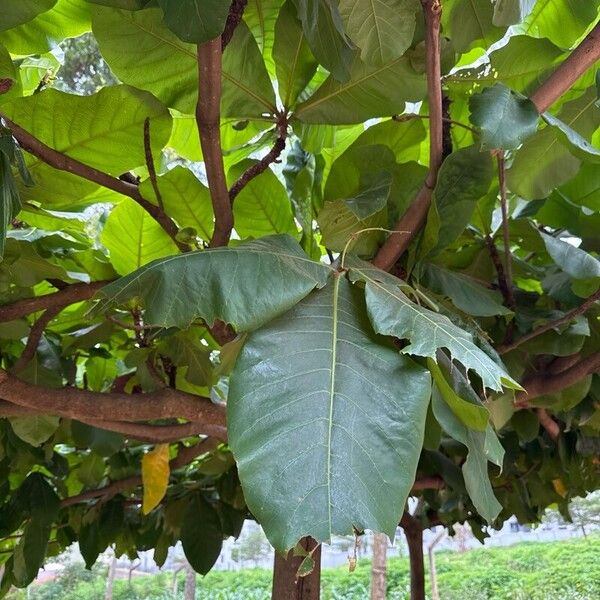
{"x": 435, "y": 595}
{"x": 112, "y": 569}
{"x": 190, "y": 583}
{"x": 174, "y": 586}
{"x": 286, "y": 586}
{"x": 414, "y": 538}
{"x": 379, "y": 567}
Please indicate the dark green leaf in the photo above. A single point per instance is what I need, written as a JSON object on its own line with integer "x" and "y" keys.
{"x": 195, "y": 21}
{"x": 30, "y": 552}
{"x": 17, "y": 12}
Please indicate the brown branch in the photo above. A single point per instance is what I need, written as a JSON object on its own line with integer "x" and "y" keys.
{"x": 548, "y": 423}
{"x": 508, "y": 282}
{"x": 236, "y": 12}
{"x": 186, "y": 455}
{"x": 575, "y": 65}
{"x": 83, "y": 404}
{"x": 150, "y": 163}
{"x": 428, "y": 483}
{"x": 263, "y": 164}
{"x": 62, "y": 162}
{"x": 208, "y": 119}
{"x": 415, "y": 216}
{"x": 77, "y": 292}
{"x": 35, "y": 335}
{"x": 504, "y": 348}
{"x": 544, "y": 383}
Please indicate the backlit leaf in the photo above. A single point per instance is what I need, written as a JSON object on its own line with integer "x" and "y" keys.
{"x": 155, "y": 476}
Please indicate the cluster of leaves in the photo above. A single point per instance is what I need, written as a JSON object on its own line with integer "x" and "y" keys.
{"x": 346, "y": 381}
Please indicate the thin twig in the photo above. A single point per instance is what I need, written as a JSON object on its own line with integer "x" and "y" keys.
{"x": 236, "y": 11}
{"x": 566, "y": 318}
{"x": 263, "y": 164}
{"x": 208, "y": 119}
{"x": 150, "y": 163}
{"x": 411, "y": 116}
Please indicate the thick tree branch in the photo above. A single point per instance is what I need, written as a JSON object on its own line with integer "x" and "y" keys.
{"x": 82, "y": 404}
{"x": 571, "y": 69}
{"x": 236, "y": 11}
{"x": 544, "y": 383}
{"x": 566, "y": 318}
{"x": 263, "y": 164}
{"x": 35, "y": 335}
{"x": 186, "y": 455}
{"x": 548, "y": 423}
{"x": 76, "y": 292}
{"x": 62, "y": 162}
{"x": 208, "y": 119}
{"x": 414, "y": 218}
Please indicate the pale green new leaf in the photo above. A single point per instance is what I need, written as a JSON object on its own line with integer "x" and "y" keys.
{"x": 316, "y": 398}
{"x": 17, "y": 12}
{"x": 35, "y": 430}
{"x": 472, "y": 415}
{"x": 195, "y": 21}
{"x": 246, "y": 286}
{"x": 143, "y": 52}
{"x": 369, "y": 92}
{"x": 133, "y": 238}
{"x": 392, "y": 313}
{"x": 295, "y": 64}
{"x": 383, "y": 30}
{"x": 185, "y": 199}
{"x": 504, "y": 117}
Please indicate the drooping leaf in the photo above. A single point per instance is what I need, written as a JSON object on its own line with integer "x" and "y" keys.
{"x": 185, "y": 199}
{"x": 576, "y": 143}
{"x": 294, "y": 62}
{"x": 464, "y": 292}
{"x": 369, "y": 92}
{"x": 305, "y": 466}
{"x": 142, "y": 51}
{"x": 325, "y": 35}
{"x": 472, "y": 415}
{"x": 35, "y": 430}
{"x": 91, "y": 470}
{"x": 269, "y": 276}
{"x": 17, "y": 12}
{"x": 155, "y": 476}
{"x": 392, "y": 313}
{"x": 464, "y": 178}
{"x": 201, "y": 535}
{"x": 195, "y": 21}
{"x": 577, "y": 263}
{"x": 505, "y": 118}
{"x": 134, "y": 238}
{"x": 382, "y": 30}
{"x": 30, "y": 552}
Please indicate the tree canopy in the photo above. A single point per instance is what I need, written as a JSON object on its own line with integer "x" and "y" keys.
{"x": 293, "y": 261}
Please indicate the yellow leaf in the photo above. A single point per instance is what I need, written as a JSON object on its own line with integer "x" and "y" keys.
{"x": 559, "y": 487}
{"x": 155, "y": 476}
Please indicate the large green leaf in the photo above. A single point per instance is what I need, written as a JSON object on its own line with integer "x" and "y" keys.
{"x": 133, "y": 238}
{"x": 463, "y": 180}
{"x": 383, "y": 30}
{"x": 561, "y": 21}
{"x": 17, "y": 12}
{"x": 509, "y": 12}
{"x": 392, "y": 313}
{"x": 35, "y": 430}
{"x": 326, "y": 37}
{"x": 262, "y": 207}
{"x": 465, "y": 293}
{"x": 577, "y": 263}
{"x": 195, "y": 21}
{"x": 369, "y": 92}
{"x": 504, "y": 117}
{"x": 30, "y": 552}
{"x": 68, "y": 18}
{"x": 300, "y": 388}
{"x": 294, "y": 62}
{"x": 142, "y": 51}
{"x": 544, "y": 162}
{"x": 185, "y": 199}
{"x": 246, "y": 286}
{"x": 576, "y": 143}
